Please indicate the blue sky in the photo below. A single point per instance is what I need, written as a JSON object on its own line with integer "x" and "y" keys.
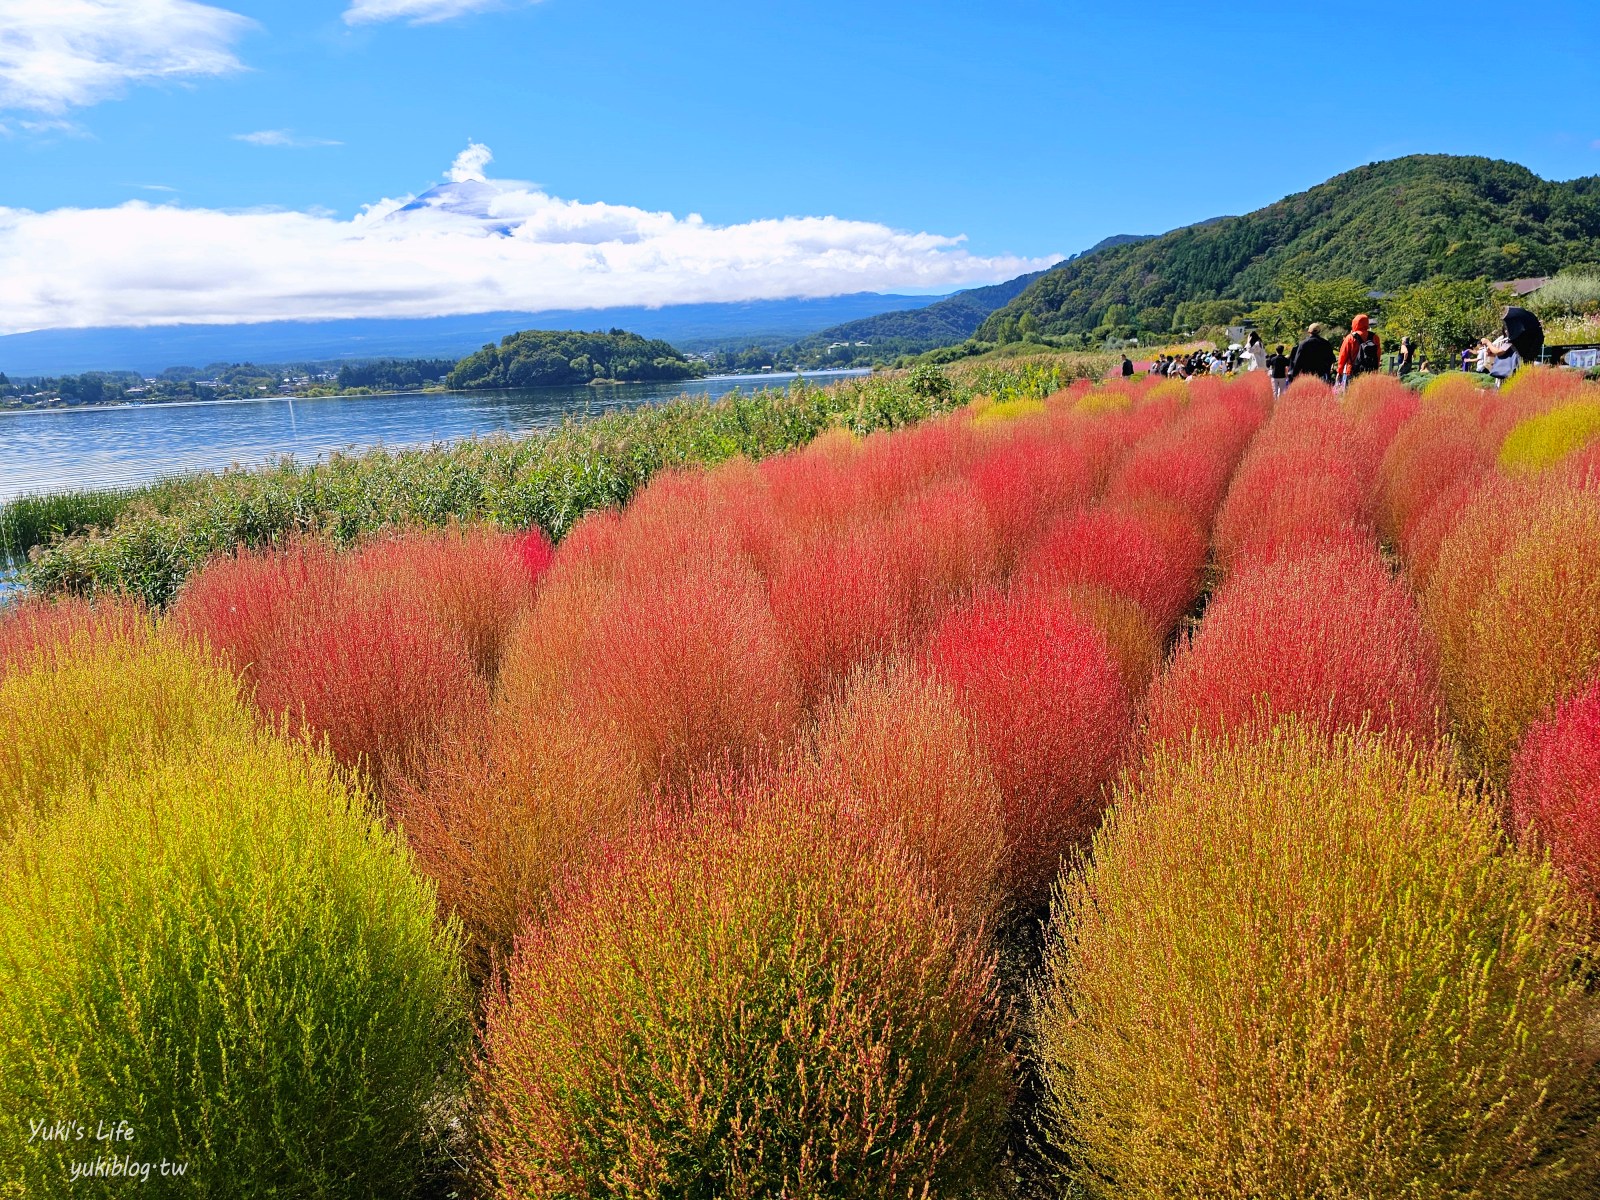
{"x": 1028, "y": 129}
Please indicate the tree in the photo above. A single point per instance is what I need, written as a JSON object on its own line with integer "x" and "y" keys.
{"x": 1443, "y": 315}
{"x": 1330, "y": 301}
{"x": 1155, "y": 320}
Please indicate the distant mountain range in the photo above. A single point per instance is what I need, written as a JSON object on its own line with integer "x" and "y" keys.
{"x": 915, "y": 329}
{"x": 688, "y": 326}
{"x": 1388, "y": 224}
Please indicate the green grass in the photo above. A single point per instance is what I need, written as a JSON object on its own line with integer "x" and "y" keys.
{"x": 30, "y": 521}
{"x": 158, "y": 535}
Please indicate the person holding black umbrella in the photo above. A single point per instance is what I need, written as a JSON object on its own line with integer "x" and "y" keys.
{"x": 1521, "y": 341}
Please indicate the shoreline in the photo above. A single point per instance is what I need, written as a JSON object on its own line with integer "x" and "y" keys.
{"x": 7, "y": 410}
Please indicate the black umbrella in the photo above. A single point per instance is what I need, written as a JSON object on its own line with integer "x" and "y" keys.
{"x": 1525, "y": 333}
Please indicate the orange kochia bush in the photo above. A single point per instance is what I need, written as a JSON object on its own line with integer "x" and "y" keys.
{"x": 1514, "y": 601}
{"x": 759, "y": 1001}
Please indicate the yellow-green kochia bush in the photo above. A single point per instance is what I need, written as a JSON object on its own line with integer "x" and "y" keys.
{"x": 223, "y": 947}
{"x": 1303, "y": 970}
{"x": 97, "y": 698}
{"x": 1547, "y": 438}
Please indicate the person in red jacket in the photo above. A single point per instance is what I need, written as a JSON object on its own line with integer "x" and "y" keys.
{"x": 1360, "y": 351}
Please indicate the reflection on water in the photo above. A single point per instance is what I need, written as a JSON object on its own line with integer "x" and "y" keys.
{"x": 67, "y": 449}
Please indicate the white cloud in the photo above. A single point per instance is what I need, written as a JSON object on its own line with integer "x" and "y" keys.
{"x": 417, "y": 12}
{"x": 282, "y": 137}
{"x": 56, "y": 55}
{"x": 471, "y": 163}
{"x": 463, "y": 247}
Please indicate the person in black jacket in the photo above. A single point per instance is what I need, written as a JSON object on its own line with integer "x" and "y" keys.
{"x": 1127, "y": 367}
{"x": 1313, "y": 356}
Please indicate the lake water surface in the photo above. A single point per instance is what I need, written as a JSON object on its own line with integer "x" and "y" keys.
{"x": 70, "y": 449}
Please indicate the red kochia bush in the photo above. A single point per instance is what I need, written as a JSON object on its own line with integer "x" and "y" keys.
{"x": 1052, "y": 714}
{"x": 1327, "y": 635}
{"x": 1188, "y": 463}
{"x": 842, "y": 601}
{"x": 237, "y": 603}
{"x": 477, "y": 581}
{"x": 758, "y": 1004}
{"x": 362, "y": 652}
{"x": 1025, "y": 482}
{"x": 1555, "y": 789}
{"x": 1152, "y": 555}
{"x": 377, "y": 675}
{"x": 1305, "y": 481}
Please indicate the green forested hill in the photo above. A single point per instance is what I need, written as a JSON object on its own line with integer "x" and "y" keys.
{"x": 910, "y": 331}
{"x": 545, "y": 358}
{"x": 1388, "y": 225}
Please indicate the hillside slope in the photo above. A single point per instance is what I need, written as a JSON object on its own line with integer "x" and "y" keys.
{"x": 911, "y": 331}
{"x": 1387, "y": 224}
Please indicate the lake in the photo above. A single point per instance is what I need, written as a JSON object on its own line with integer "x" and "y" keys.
{"x": 72, "y": 449}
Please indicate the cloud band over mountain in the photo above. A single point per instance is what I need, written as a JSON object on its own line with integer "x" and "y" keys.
{"x": 467, "y": 246}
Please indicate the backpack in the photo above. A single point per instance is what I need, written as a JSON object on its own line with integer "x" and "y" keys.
{"x": 1366, "y": 355}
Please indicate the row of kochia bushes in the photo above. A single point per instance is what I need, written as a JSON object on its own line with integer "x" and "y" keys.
{"x": 684, "y": 860}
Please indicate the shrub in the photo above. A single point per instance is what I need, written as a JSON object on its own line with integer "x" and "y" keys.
{"x": 475, "y": 581}
{"x": 1379, "y": 406}
{"x": 1434, "y": 452}
{"x": 39, "y": 626}
{"x": 1051, "y": 713}
{"x": 1011, "y": 410}
{"x": 1134, "y": 643}
{"x": 1298, "y": 968}
{"x": 1150, "y": 555}
{"x": 685, "y": 661}
{"x": 897, "y": 752}
{"x": 1515, "y": 605}
{"x": 1025, "y": 483}
{"x": 892, "y": 465}
{"x": 1304, "y": 482}
{"x": 1189, "y": 462}
{"x": 223, "y": 947}
{"x": 1190, "y": 478}
{"x": 542, "y": 649}
{"x": 945, "y": 547}
{"x": 101, "y": 698}
{"x": 1542, "y": 441}
{"x": 761, "y": 1005}
{"x": 1555, "y": 790}
{"x": 497, "y": 817}
{"x": 1326, "y": 635}
{"x": 1541, "y": 386}
{"x": 239, "y": 602}
{"x": 839, "y": 603}
{"x": 376, "y": 675}
{"x": 1286, "y": 503}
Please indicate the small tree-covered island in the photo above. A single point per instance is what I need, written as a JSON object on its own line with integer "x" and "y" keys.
{"x": 542, "y": 358}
